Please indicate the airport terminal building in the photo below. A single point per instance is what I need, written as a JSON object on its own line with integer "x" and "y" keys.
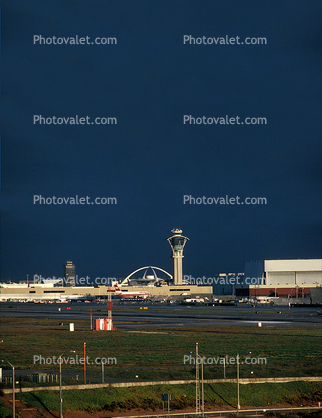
{"x": 49, "y": 291}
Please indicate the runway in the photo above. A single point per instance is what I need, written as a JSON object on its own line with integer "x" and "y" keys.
{"x": 139, "y": 316}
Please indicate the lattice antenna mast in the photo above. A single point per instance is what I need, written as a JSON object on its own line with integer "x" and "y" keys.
{"x": 109, "y": 303}
{"x": 198, "y": 410}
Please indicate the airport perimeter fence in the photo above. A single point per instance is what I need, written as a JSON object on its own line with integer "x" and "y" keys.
{"x": 32, "y": 378}
{"x": 70, "y": 378}
{"x": 128, "y": 384}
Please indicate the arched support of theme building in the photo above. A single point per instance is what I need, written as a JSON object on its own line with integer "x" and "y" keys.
{"x": 146, "y": 268}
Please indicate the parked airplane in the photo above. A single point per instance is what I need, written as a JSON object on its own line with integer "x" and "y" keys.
{"x": 134, "y": 294}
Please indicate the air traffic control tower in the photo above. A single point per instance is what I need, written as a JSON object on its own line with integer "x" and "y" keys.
{"x": 177, "y": 243}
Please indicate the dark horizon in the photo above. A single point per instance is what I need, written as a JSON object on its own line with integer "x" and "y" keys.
{"x": 152, "y": 156}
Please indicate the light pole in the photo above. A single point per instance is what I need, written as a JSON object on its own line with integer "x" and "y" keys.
{"x": 13, "y": 388}
{"x": 202, "y": 391}
{"x": 60, "y": 388}
{"x": 224, "y": 357}
{"x": 102, "y": 363}
{"x": 85, "y": 363}
{"x": 198, "y": 384}
{"x": 238, "y": 404}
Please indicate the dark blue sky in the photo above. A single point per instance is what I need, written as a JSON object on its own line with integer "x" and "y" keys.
{"x": 150, "y": 159}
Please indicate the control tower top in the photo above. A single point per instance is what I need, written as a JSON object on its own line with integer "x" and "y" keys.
{"x": 177, "y": 243}
{"x": 176, "y": 231}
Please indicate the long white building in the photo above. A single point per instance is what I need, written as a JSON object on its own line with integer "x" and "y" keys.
{"x": 281, "y": 278}
{"x": 48, "y": 291}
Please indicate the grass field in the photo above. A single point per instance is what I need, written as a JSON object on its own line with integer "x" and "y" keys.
{"x": 182, "y": 396}
{"x": 158, "y": 354}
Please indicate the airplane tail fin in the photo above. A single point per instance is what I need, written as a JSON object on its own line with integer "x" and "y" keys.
{"x": 117, "y": 288}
